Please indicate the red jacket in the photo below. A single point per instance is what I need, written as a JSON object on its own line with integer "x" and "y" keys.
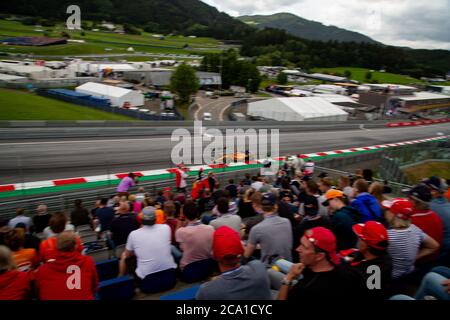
{"x": 14, "y": 285}
{"x": 430, "y": 223}
{"x": 69, "y": 276}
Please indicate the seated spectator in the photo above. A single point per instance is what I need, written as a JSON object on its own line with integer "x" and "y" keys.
{"x": 226, "y": 218}
{"x": 376, "y": 189}
{"x": 245, "y": 207}
{"x": 345, "y": 187}
{"x": 231, "y": 188}
{"x": 310, "y": 219}
{"x": 407, "y": 242}
{"x": 14, "y": 284}
{"x": 232, "y": 206}
{"x": 123, "y": 224}
{"x": 285, "y": 190}
{"x": 80, "y": 215}
{"x": 105, "y": 215}
{"x": 256, "y": 183}
{"x": 372, "y": 251}
{"x": 273, "y": 234}
{"x": 42, "y": 219}
{"x": 267, "y": 186}
{"x": 135, "y": 205}
{"x": 441, "y": 206}
{"x": 325, "y": 184}
{"x": 69, "y": 275}
{"x": 319, "y": 277}
{"x": 31, "y": 241}
{"x": 58, "y": 224}
{"x": 367, "y": 175}
{"x": 171, "y": 221}
{"x": 365, "y": 203}
{"x": 247, "y": 180}
{"x": 151, "y": 245}
{"x": 25, "y": 259}
{"x": 312, "y": 189}
{"x": 20, "y": 218}
{"x": 57, "y": 218}
{"x": 195, "y": 239}
{"x": 207, "y": 203}
{"x": 250, "y": 222}
{"x": 236, "y": 282}
{"x": 427, "y": 220}
{"x": 435, "y": 284}
{"x": 140, "y": 195}
{"x": 343, "y": 217}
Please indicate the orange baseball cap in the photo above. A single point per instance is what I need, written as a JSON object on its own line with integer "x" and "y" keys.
{"x": 331, "y": 194}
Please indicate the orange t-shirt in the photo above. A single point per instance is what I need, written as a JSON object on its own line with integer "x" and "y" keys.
{"x": 160, "y": 216}
{"x": 25, "y": 259}
{"x": 47, "y": 248}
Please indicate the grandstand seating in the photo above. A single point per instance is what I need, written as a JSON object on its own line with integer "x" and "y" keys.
{"x": 159, "y": 281}
{"x": 121, "y": 288}
{"x": 108, "y": 269}
{"x": 198, "y": 270}
{"x": 184, "y": 294}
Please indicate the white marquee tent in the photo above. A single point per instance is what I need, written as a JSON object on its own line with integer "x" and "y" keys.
{"x": 297, "y": 109}
{"x": 117, "y": 96}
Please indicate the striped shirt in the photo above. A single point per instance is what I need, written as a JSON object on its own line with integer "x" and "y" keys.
{"x": 403, "y": 247}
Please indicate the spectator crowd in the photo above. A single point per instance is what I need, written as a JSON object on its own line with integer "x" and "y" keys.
{"x": 288, "y": 236}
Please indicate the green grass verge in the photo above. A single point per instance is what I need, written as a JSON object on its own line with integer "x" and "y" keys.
{"x": 21, "y": 105}
{"x": 359, "y": 74}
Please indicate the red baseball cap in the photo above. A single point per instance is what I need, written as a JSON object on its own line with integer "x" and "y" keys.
{"x": 325, "y": 240}
{"x": 226, "y": 242}
{"x": 372, "y": 233}
{"x": 402, "y": 208}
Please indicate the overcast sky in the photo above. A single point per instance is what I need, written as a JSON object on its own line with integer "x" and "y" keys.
{"x": 412, "y": 23}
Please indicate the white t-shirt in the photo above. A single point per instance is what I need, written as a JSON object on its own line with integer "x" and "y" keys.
{"x": 257, "y": 185}
{"x": 152, "y": 247}
{"x": 48, "y": 233}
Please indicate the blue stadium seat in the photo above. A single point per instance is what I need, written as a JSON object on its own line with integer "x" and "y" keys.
{"x": 198, "y": 270}
{"x": 108, "y": 269}
{"x": 159, "y": 281}
{"x": 185, "y": 294}
{"x": 116, "y": 289}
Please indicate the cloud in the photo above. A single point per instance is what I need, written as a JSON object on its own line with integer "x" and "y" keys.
{"x": 411, "y": 23}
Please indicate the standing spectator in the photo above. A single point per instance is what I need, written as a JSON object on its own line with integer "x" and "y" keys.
{"x": 344, "y": 186}
{"x": 322, "y": 279}
{"x": 20, "y": 218}
{"x": 180, "y": 178}
{"x": 367, "y": 175}
{"x": 407, "y": 243}
{"x": 226, "y": 218}
{"x": 151, "y": 245}
{"x": 232, "y": 189}
{"x": 312, "y": 189}
{"x": 105, "y": 215}
{"x": 53, "y": 278}
{"x": 212, "y": 181}
{"x": 365, "y": 203}
{"x": 427, "y": 220}
{"x": 58, "y": 224}
{"x": 273, "y": 234}
{"x": 342, "y": 220}
{"x": 80, "y": 216}
{"x": 25, "y": 259}
{"x": 441, "y": 206}
{"x": 236, "y": 282}
{"x": 324, "y": 185}
{"x": 195, "y": 239}
{"x": 123, "y": 224}
{"x": 41, "y": 220}
{"x": 126, "y": 183}
{"x": 245, "y": 207}
{"x": 14, "y": 284}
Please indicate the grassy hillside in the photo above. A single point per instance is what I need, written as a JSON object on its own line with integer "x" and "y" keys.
{"x": 359, "y": 74}
{"x": 97, "y": 42}
{"x": 20, "y": 105}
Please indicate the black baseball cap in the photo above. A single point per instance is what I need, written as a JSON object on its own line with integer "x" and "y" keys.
{"x": 420, "y": 192}
{"x": 268, "y": 199}
{"x": 436, "y": 184}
